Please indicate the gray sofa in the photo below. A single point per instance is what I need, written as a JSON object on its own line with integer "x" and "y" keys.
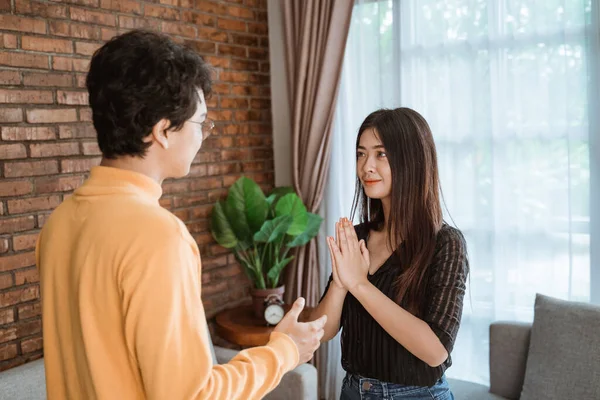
{"x": 557, "y": 357}
{"x": 28, "y": 381}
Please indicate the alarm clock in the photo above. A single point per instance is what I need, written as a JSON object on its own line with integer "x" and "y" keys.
{"x": 274, "y": 310}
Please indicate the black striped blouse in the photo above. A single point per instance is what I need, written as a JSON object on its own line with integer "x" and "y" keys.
{"x": 368, "y": 350}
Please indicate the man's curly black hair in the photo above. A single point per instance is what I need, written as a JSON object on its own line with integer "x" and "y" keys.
{"x": 137, "y": 79}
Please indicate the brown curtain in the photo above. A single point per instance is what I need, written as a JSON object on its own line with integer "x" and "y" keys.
{"x": 315, "y": 33}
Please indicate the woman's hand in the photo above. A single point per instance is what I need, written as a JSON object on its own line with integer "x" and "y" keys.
{"x": 350, "y": 258}
{"x": 336, "y": 279}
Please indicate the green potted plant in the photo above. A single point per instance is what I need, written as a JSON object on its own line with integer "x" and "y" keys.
{"x": 261, "y": 230}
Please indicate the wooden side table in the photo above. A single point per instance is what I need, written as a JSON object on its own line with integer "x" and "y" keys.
{"x": 240, "y": 326}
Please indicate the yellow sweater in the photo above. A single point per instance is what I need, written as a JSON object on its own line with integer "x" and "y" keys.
{"x": 121, "y": 307}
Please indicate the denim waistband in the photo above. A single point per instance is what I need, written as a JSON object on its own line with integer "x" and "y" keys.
{"x": 385, "y": 389}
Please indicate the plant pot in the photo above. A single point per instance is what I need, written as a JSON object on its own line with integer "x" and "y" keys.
{"x": 259, "y": 296}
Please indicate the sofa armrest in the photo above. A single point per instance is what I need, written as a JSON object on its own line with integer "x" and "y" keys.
{"x": 509, "y": 345}
{"x": 298, "y": 384}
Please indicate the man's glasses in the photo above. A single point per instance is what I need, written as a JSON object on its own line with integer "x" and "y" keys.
{"x": 207, "y": 127}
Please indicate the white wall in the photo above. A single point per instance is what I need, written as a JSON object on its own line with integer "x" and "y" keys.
{"x": 280, "y": 108}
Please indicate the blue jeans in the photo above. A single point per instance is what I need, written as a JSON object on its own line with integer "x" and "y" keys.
{"x": 356, "y": 387}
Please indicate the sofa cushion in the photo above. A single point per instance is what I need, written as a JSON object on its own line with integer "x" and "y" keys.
{"x": 564, "y": 352}
{"x": 463, "y": 390}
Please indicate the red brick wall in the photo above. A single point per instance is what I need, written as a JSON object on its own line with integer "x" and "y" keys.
{"x": 47, "y": 143}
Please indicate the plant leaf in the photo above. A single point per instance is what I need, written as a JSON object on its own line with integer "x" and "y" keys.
{"x": 275, "y": 270}
{"x": 312, "y": 229}
{"x": 221, "y": 229}
{"x": 274, "y": 229}
{"x": 291, "y": 204}
{"x": 246, "y": 208}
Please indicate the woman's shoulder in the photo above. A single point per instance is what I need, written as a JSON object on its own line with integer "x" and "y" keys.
{"x": 450, "y": 236}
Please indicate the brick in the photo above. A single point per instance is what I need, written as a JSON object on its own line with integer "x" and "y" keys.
{"x": 18, "y": 224}
{"x": 29, "y": 275}
{"x": 54, "y": 149}
{"x": 24, "y": 60}
{"x": 8, "y": 115}
{"x": 20, "y": 295}
{"x": 5, "y": 5}
{"x": 223, "y": 115}
{"x": 231, "y": 24}
{"x": 79, "y": 31}
{"x": 6, "y": 316}
{"x": 201, "y": 19}
{"x": 85, "y": 48}
{"x": 28, "y": 133}
{"x": 108, "y": 33}
{"x": 93, "y": 17}
{"x": 24, "y": 242}
{"x": 57, "y": 184}
{"x": 12, "y": 151}
{"x": 227, "y": 76}
{"x": 175, "y": 186}
{"x": 49, "y": 116}
{"x": 13, "y": 23}
{"x": 138, "y": 23}
{"x": 27, "y": 311}
{"x": 234, "y": 102}
{"x": 124, "y": 6}
{"x": 70, "y": 64}
{"x": 179, "y": 29}
{"x": 72, "y": 98}
{"x": 240, "y": 12}
{"x": 160, "y": 12}
{"x": 245, "y": 40}
{"x": 8, "y": 351}
{"x": 258, "y": 54}
{"x": 9, "y": 263}
{"x": 20, "y": 206}
{"x": 91, "y": 149}
{"x": 30, "y": 168}
{"x": 235, "y": 51}
{"x": 78, "y": 165}
{"x": 265, "y": 67}
{"x": 218, "y": 62}
{"x": 46, "y": 45}
{"x": 202, "y": 47}
{"x": 85, "y": 115}
{"x": 31, "y": 345}
{"x": 260, "y": 28}
{"x": 253, "y": 141}
{"x": 40, "y": 9}
{"x": 10, "y": 78}
{"x": 235, "y": 155}
{"x": 3, "y": 249}
{"x": 26, "y": 96}
{"x": 29, "y": 328}
{"x": 76, "y": 131}
{"x": 221, "y": 88}
{"x": 8, "y": 41}
{"x": 244, "y": 65}
{"x": 14, "y": 188}
{"x": 47, "y": 79}
{"x": 214, "y": 7}
{"x": 260, "y": 104}
{"x": 80, "y": 79}
{"x": 89, "y": 3}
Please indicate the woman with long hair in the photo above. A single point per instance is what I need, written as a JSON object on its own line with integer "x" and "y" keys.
{"x": 399, "y": 277}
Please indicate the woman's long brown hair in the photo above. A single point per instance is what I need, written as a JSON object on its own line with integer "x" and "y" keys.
{"x": 415, "y": 213}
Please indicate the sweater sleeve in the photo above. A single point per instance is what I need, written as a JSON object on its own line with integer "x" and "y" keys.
{"x": 166, "y": 333}
{"x": 447, "y": 286}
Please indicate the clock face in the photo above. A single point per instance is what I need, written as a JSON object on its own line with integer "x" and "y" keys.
{"x": 274, "y": 313}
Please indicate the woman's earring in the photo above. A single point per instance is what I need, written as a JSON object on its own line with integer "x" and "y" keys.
{"x": 368, "y": 209}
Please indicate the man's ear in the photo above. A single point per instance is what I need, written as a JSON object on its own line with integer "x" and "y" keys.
{"x": 159, "y": 134}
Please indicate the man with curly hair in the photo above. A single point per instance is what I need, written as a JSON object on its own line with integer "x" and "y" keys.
{"x": 120, "y": 275}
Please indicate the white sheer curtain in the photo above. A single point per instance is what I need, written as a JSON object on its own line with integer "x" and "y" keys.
{"x": 505, "y": 87}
